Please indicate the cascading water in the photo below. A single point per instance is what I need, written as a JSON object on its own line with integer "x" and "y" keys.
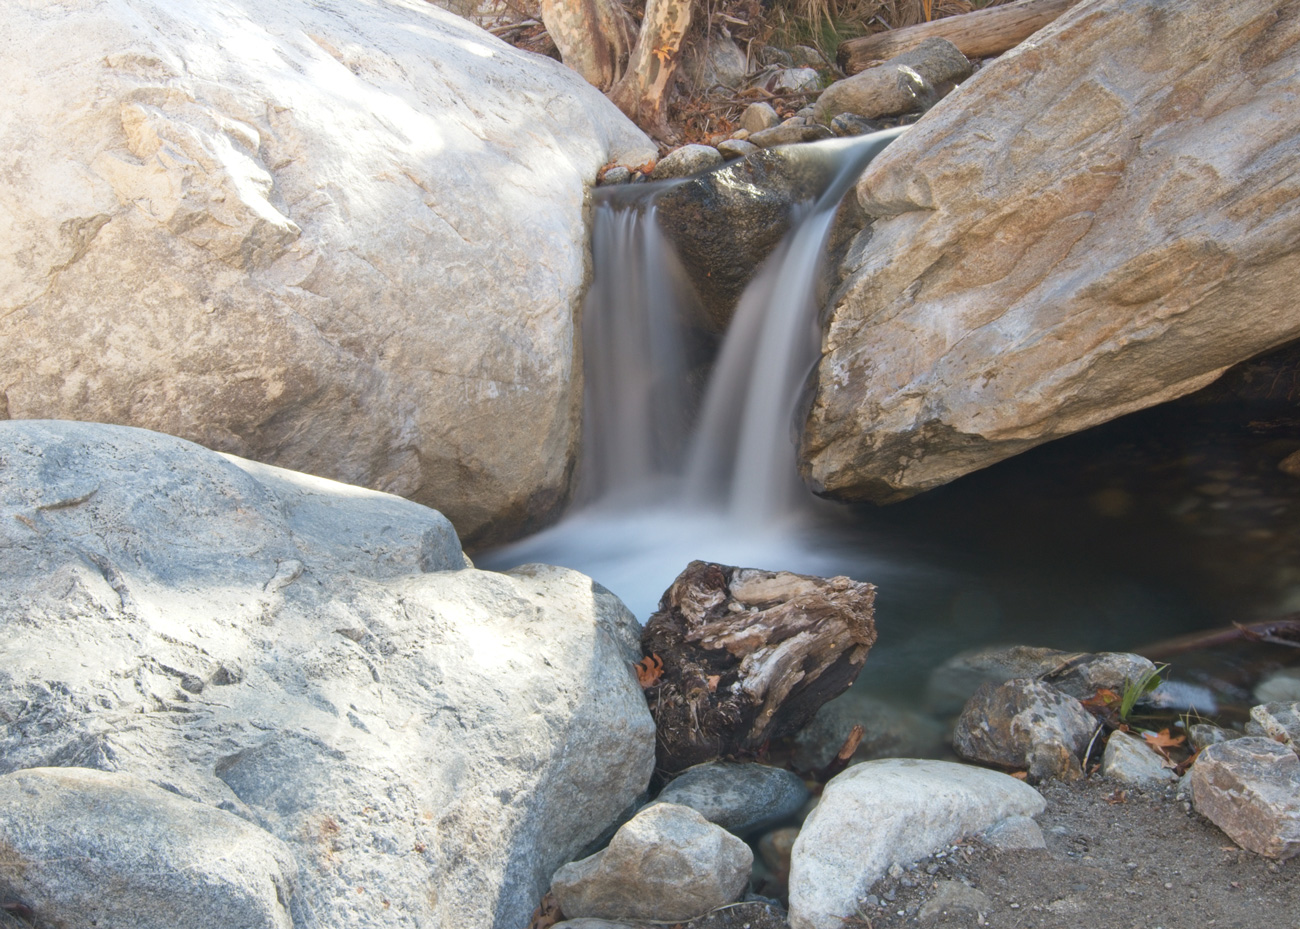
{"x": 653, "y": 496}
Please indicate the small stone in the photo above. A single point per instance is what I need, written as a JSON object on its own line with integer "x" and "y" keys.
{"x": 685, "y": 161}
{"x": 1250, "y": 788}
{"x": 742, "y": 798}
{"x": 805, "y": 56}
{"x": 850, "y": 124}
{"x": 736, "y": 148}
{"x": 1290, "y": 464}
{"x": 789, "y": 135}
{"x": 1015, "y": 833}
{"x": 1130, "y": 760}
{"x": 774, "y": 848}
{"x": 889, "y": 731}
{"x": 1025, "y": 724}
{"x": 954, "y": 896}
{"x": 1279, "y": 722}
{"x": 794, "y": 81}
{"x": 1280, "y": 686}
{"x": 759, "y": 116}
{"x": 1200, "y": 735}
{"x": 805, "y": 112}
{"x": 771, "y": 56}
{"x": 619, "y": 174}
{"x": 667, "y": 863}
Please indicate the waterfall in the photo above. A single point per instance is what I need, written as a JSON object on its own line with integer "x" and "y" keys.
{"x": 655, "y": 494}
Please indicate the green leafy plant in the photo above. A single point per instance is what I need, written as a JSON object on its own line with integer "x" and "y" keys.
{"x": 1136, "y": 690}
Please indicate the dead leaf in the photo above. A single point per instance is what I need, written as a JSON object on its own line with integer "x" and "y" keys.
{"x": 1020, "y": 775}
{"x": 1117, "y": 796}
{"x": 547, "y": 913}
{"x": 649, "y": 670}
{"x": 713, "y": 682}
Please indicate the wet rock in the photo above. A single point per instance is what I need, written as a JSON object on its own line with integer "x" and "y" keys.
{"x": 790, "y": 133}
{"x": 1129, "y": 759}
{"x": 958, "y": 336}
{"x": 1199, "y": 735}
{"x": 1250, "y": 788}
{"x": 244, "y": 237}
{"x": 954, "y": 897}
{"x": 736, "y": 148}
{"x": 1279, "y": 722}
{"x": 848, "y": 124}
{"x": 616, "y": 175}
{"x": 1079, "y": 674}
{"x": 685, "y": 161}
{"x": 740, "y": 797}
{"x": 1015, "y": 833}
{"x": 912, "y": 80}
{"x": 890, "y": 812}
{"x": 759, "y": 116}
{"x": 1279, "y": 687}
{"x": 93, "y": 848}
{"x": 724, "y": 223}
{"x": 888, "y": 732}
{"x": 667, "y": 863}
{"x": 749, "y": 656}
{"x": 1025, "y": 724}
{"x": 318, "y": 659}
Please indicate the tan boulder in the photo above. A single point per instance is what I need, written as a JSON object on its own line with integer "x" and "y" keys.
{"x": 345, "y": 239}
{"x": 1104, "y": 219}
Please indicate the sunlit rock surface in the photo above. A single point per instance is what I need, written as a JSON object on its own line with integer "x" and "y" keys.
{"x": 1101, "y": 220}
{"x": 429, "y": 741}
{"x": 346, "y": 239}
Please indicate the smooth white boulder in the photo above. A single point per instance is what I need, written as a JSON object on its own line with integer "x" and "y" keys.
{"x": 342, "y": 238}
{"x": 885, "y": 812}
{"x": 316, "y": 658}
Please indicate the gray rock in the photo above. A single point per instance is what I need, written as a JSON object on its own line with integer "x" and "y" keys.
{"x": 954, "y": 897}
{"x": 771, "y": 56}
{"x": 912, "y": 80}
{"x": 1250, "y": 788}
{"x": 1025, "y": 724}
{"x": 619, "y": 174}
{"x": 759, "y": 116}
{"x": 1083, "y": 675}
{"x": 775, "y": 849}
{"x": 91, "y": 848}
{"x": 789, "y": 134}
{"x": 794, "y": 80}
{"x": 1279, "y": 687}
{"x": 667, "y": 863}
{"x": 1129, "y": 759}
{"x": 890, "y": 812}
{"x": 313, "y": 657}
{"x": 1199, "y": 735}
{"x": 888, "y": 732}
{"x": 1279, "y": 722}
{"x": 849, "y": 124}
{"x": 1015, "y": 833}
{"x": 716, "y": 61}
{"x": 736, "y": 148}
{"x": 740, "y": 797}
{"x": 244, "y": 238}
{"x": 805, "y": 56}
{"x": 685, "y": 161}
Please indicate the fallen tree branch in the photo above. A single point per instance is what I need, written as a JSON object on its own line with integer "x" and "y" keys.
{"x": 978, "y": 34}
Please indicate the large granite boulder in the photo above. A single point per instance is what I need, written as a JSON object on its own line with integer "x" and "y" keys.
{"x": 342, "y": 238}
{"x": 1103, "y": 219}
{"x": 317, "y": 659}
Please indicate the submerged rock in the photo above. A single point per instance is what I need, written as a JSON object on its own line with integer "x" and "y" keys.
{"x": 1068, "y": 239}
{"x": 882, "y": 813}
{"x": 889, "y": 731}
{"x": 346, "y": 239}
{"x": 667, "y": 863}
{"x": 317, "y": 659}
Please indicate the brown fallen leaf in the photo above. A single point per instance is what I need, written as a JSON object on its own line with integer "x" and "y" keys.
{"x": 649, "y": 670}
{"x": 547, "y": 913}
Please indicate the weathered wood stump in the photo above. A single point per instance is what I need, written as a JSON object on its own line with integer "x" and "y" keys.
{"x": 748, "y": 656}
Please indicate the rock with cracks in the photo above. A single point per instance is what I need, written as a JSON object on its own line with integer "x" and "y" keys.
{"x": 1250, "y": 788}
{"x": 315, "y": 659}
{"x": 343, "y": 238}
{"x": 748, "y": 656}
{"x": 667, "y": 863}
{"x": 1067, "y": 238}
{"x": 1027, "y": 725}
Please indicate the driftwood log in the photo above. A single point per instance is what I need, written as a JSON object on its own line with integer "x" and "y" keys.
{"x": 978, "y": 34}
{"x": 748, "y": 656}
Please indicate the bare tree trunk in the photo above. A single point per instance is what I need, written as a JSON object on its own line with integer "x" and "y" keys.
{"x": 642, "y": 92}
{"x": 594, "y": 37}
